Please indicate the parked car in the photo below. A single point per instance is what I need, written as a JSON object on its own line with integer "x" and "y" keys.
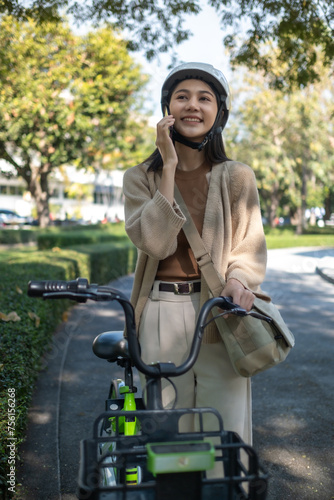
{"x": 11, "y": 218}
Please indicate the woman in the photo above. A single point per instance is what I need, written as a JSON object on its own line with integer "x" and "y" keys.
{"x": 222, "y": 198}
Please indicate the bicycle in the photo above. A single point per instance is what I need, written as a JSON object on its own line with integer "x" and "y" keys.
{"x": 137, "y": 451}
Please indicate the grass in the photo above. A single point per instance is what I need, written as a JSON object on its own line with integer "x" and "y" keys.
{"x": 286, "y": 237}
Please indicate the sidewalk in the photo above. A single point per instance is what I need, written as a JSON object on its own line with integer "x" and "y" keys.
{"x": 293, "y": 405}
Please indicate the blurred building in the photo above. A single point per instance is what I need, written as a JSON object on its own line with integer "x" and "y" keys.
{"x": 75, "y": 194}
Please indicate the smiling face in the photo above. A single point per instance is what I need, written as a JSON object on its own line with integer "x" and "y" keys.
{"x": 194, "y": 106}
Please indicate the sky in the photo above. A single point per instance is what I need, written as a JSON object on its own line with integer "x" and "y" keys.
{"x": 206, "y": 45}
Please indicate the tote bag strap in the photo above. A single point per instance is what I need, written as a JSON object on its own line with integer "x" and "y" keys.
{"x": 201, "y": 254}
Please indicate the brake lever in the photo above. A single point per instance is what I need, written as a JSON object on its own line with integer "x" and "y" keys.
{"x": 77, "y": 297}
{"x": 236, "y": 311}
{"x": 239, "y": 311}
{"x": 257, "y": 315}
{"x": 230, "y": 307}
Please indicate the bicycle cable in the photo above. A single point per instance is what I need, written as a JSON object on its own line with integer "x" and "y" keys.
{"x": 144, "y": 390}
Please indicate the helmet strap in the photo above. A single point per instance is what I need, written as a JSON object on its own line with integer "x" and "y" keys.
{"x": 209, "y": 136}
{"x": 195, "y": 145}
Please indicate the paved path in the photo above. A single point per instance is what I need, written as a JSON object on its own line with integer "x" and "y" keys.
{"x": 293, "y": 403}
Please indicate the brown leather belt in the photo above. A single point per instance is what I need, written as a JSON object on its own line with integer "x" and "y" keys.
{"x": 185, "y": 288}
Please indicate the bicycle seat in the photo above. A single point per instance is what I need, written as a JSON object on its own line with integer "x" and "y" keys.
{"x": 111, "y": 346}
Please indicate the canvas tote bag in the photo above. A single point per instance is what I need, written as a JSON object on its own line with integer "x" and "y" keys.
{"x": 253, "y": 345}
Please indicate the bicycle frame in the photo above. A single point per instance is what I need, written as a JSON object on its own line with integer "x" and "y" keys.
{"x": 174, "y": 463}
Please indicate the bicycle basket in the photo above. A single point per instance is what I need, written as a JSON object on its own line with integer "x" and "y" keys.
{"x": 161, "y": 463}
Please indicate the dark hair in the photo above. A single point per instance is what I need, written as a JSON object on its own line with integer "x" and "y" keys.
{"x": 214, "y": 153}
{"x": 214, "y": 150}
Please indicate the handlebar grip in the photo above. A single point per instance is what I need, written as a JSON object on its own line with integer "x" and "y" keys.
{"x": 39, "y": 288}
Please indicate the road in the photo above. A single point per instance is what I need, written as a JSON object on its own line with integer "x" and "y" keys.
{"x": 293, "y": 403}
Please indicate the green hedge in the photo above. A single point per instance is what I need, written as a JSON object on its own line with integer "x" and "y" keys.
{"x": 17, "y": 236}
{"x": 64, "y": 235}
{"x": 63, "y": 239}
{"x": 69, "y": 236}
{"x": 22, "y": 343}
{"x": 108, "y": 262}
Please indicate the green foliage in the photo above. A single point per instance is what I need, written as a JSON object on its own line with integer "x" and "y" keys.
{"x": 17, "y": 236}
{"x": 109, "y": 261}
{"x": 288, "y": 140}
{"x": 78, "y": 102}
{"x": 71, "y": 99}
{"x": 65, "y": 235}
{"x": 81, "y": 235}
{"x": 151, "y": 26}
{"x": 297, "y": 28}
{"x": 70, "y": 239}
{"x": 23, "y": 342}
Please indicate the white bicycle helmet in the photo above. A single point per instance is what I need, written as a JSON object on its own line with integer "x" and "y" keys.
{"x": 213, "y": 77}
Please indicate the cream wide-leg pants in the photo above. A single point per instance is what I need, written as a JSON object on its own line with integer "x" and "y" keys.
{"x": 165, "y": 334}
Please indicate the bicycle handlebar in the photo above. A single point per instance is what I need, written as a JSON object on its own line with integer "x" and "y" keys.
{"x": 80, "y": 290}
{"x": 59, "y": 288}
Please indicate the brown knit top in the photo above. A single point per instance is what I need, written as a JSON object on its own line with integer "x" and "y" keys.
{"x": 182, "y": 265}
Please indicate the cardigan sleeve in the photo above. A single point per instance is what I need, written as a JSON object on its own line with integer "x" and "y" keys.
{"x": 151, "y": 222}
{"x": 248, "y": 256}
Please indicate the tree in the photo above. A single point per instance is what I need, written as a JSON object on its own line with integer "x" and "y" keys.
{"x": 288, "y": 139}
{"x": 152, "y": 26}
{"x": 296, "y": 28}
{"x": 260, "y": 143}
{"x": 64, "y": 99}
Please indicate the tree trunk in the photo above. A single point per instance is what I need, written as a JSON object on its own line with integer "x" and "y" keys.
{"x": 299, "y": 226}
{"x": 37, "y": 180}
{"x": 303, "y": 198}
{"x": 329, "y": 204}
{"x": 43, "y": 209}
{"x": 43, "y": 212}
{"x": 272, "y": 205}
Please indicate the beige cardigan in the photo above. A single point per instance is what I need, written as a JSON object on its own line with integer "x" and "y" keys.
{"x": 232, "y": 230}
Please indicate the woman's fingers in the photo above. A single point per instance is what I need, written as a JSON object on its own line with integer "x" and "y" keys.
{"x": 164, "y": 125}
{"x": 240, "y": 295}
{"x": 163, "y": 141}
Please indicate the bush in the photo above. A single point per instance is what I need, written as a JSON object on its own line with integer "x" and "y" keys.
{"x": 70, "y": 236}
{"x": 17, "y": 236}
{"x": 23, "y": 342}
{"x": 108, "y": 262}
{"x": 64, "y": 235}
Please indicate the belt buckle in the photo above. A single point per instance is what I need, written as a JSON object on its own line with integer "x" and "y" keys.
{"x": 177, "y": 287}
